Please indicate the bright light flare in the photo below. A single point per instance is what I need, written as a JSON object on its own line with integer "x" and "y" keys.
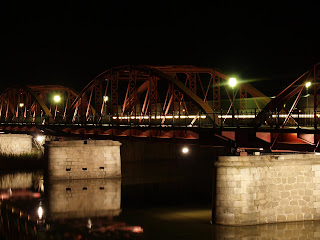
{"x": 308, "y": 84}
{"x": 185, "y": 150}
{"x": 105, "y": 98}
{"x": 232, "y": 82}
{"x": 57, "y": 98}
{"x": 40, "y": 212}
{"x": 21, "y": 105}
{"x": 40, "y": 138}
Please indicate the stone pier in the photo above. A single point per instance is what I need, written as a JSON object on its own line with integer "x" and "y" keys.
{"x": 267, "y": 189}
{"x": 79, "y": 159}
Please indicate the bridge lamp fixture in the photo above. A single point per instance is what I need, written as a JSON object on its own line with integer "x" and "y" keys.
{"x": 105, "y": 98}
{"x": 40, "y": 212}
{"x": 185, "y": 150}
{"x": 56, "y": 98}
{"x": 308, "y": 84}
{"x": 40, "y": 138}
{"x": 21, "y": 105}
{"x": 232, "y": 82}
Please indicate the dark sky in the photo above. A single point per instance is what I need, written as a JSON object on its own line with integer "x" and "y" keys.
{"x": 69, "y": 42}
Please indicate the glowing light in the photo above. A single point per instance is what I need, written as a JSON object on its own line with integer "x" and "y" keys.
{"x": 261, "y": 149}
{"x": 40, "y": 212}
{"x": 137, "y": 229}
{"x": 162, "y": 117}
{"x": 89, "y": 225}
{"x": 40, "y": 138}
{"x": 308, "y": 84}
{"x": 185, "y": 150}
{"x": 105, "y": 98}
{"x": 21, "y": 105}
{"x": 57, "y": 98}
{"x": 232, "y": 82}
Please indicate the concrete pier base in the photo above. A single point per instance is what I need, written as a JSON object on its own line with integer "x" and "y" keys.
{"x": 80, "y": 159}
{"x": 267, "y": 189}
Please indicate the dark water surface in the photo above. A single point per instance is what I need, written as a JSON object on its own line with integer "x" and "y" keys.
{"x": 164, "y": 200}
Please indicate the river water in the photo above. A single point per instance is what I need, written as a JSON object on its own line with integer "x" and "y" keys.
{"x": 164, "y": 200}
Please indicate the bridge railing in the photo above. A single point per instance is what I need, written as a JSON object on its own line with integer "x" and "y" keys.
{"x": 222, "y": 118}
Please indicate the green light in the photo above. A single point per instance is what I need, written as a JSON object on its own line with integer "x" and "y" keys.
{"x": 308, "y": 84}
{"x": 57, "y": 98}
{"x": 232, "y": 82}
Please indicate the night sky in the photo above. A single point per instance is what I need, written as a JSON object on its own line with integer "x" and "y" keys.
{"x": 69, "y": 42}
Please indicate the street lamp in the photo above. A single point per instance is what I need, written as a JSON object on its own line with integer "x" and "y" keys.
{"x": 56, "y": 98}
{"x": 232, "y": 84}
{"x": 308, "y": 84}
{"x": 105, "y": 98}
{"x": 185, "y": 150}
{"x": 21, "y": 105}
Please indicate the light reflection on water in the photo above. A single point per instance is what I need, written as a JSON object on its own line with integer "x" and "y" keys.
{"x": 103, "y": 208}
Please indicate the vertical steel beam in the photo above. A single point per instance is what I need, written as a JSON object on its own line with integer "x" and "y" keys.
{"x": 98, "y": 95}
{"x": 243, "y": 98}
{"x": 153, "y": 96}
{"x": 192, "y": 79}
{"x": 132, "y": 90}
{"x": 216, "y": 92}
{"x": 114, "y": 93}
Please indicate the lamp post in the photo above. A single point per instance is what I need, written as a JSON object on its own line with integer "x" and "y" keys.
{"x": 56, "y": 99}
{"x": 105, "y": 100}
{"x": 308, "y": 84}
{"x": 21, "y": 105}
{"x": 232, "y": 84}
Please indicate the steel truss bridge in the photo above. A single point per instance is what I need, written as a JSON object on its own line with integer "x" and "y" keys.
{"x": 170, "y": 102}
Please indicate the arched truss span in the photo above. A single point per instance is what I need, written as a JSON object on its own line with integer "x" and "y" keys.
{"x": 295, "y": 97}
{"x": 159, "y": 91}
{"x": 35, "y": 102}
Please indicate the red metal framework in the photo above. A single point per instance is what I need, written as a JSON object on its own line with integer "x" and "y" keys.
{"x": 35, "y": 102}
{"x": 159, "y": 91}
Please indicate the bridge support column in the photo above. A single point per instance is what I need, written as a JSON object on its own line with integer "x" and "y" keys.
{"x": 267, "y": 189}
{"x": 80, "y": 159}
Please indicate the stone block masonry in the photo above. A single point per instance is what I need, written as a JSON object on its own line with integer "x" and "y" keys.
{"x": 15, "y": 144}
{"x": 267, "y": 189}
{"x": 86, "y": 198}
{"x": 80, "y": 159}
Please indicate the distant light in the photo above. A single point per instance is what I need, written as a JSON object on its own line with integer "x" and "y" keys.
{"x": 21, "y": 104}
{"x": 105, "y": 98}
{"x": 183, "y": 110}
{"x": 273, "y": 97}
{"x": 40, "y": 138}
{"x": 261, "y": 149}
{"x": 185, "y": 150}
{"x": 89, "y": 225}
{"x": 57, "y": 98}
{"x": 137, "y": 229}
{"x": 40, "y": 212}
{"x": 232, "y": 82}
{"x": 308, "y": 84}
